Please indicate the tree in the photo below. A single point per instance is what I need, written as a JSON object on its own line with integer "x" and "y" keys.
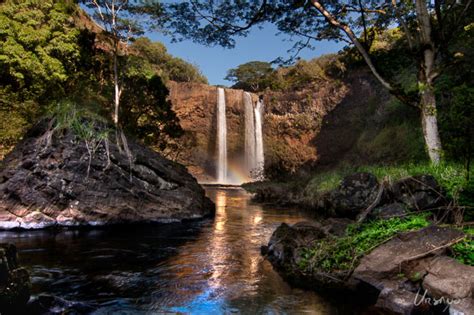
{"x": 39, "y": 54}
{"x": 428, "y": 29}
{"x": 147, "y": 112}
{"x": 116, "y": 18}
{"x": 250, "y": 75}
{"x": 38, "y": 47}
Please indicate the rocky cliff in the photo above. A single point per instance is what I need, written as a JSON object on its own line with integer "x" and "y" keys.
{"x": 315, "y": 124}
{"x": 52, "y": 179}
{"x": 195, "y": 105}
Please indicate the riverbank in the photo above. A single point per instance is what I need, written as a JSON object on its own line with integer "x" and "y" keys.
{"x": 384, "y": 240}
{"x": 212, "y": 266}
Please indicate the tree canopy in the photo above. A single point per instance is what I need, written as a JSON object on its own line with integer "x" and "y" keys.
{"x": 428, "y": 29}
{"x": 251, "y": 75}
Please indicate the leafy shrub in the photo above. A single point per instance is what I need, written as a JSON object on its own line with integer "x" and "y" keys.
{"x": 464, "y": 250}
{"x": 344, "y": 253}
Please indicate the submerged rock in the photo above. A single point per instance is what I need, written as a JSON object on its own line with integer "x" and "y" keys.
{"x": 52, "y": 305}
{"x": 14, "y": 281}
{"x": 45, "y": 182}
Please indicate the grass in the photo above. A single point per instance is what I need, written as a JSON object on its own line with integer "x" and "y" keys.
{"x": 344, "y": 253}
{"x": 450, "y": 176}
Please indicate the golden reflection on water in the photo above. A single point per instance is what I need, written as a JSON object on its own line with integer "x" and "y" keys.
{"x": 225, "y": 247}
{"x": 223, "y": 267}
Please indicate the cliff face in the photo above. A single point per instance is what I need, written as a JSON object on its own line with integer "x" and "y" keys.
{"x": 195, "y": 105}
{"x": 300, "y": 127}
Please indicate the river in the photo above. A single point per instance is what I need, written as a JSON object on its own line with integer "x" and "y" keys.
{"x": 207, "y": 267}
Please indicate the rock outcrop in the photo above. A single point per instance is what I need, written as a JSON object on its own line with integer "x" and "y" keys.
{"x": 45, "y": 182}
{"x": 408, "y": 274}
{"x": 286, "y": 250}
{"x": 14, "y": 281}
{"x": 411, "y": 273}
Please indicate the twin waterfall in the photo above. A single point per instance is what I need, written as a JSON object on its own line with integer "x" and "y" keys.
{"x": 253, "y": 150}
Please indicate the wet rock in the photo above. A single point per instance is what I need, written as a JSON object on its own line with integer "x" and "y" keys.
{"x": 14, "y": 281}
{"x": 285, "y": 252}
{"x": 385, "y": 262}
{"x": 396, "y": 301}
{"x": 48, "y": 304}
{"x": 46, "y": 185}
{"x": 388, "y": 211}
{"x": 462, "y": 307}
{"x": 418, "y": 192}
{"x": 284, "y": 243}
{"x": 448, "y": 278}
{"x": 355, "y": 193}
{"x": 409, "y": 259}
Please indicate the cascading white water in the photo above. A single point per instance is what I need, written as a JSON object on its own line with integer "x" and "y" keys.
{"x": 221, "y": 138}
{"x": 259, "y": 155}
{"x": 249, "y": 134}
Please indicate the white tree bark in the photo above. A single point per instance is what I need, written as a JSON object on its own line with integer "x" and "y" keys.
{"x": 426, "y": 76}
{"x": 117, "y": 91}
{"x": 429, "y": 122}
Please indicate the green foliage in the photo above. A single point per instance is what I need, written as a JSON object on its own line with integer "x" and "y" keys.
{"x": 252, "y": 76}
{"x": 152, "y": 58}
{"x": 464, "y": 250}
{"x": 39, "y": 53}
{"x": 46, "y": 56}
{"x": 343, "y": 253}
{"x": 38, "y": 46}
{"x": 257, "y": 75}
{"x": 86, "y": 125}
{"x": 307, "y": 72}
{"x": 146, "y": 112}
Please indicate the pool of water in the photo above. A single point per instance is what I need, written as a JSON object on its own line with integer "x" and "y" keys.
{"x": 208, "y": 267}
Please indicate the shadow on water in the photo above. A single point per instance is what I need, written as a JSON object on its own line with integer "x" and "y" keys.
{"x": 207, "y": 267}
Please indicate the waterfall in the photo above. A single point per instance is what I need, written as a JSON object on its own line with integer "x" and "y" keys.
{"x": 259, "y": 155}
{"x": 249, "y": 134}
{"x": 221, "y": 137}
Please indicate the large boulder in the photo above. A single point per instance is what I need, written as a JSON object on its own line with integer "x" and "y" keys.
{"x": 418, "y": 192}
{"x": 449, "y": 281}
{"x": 286, "y": 250}
{"x": 45, "y": 182}
{"x": 355, "y": 193}
{"x": 410, "y": 274}
{"x": 14, "y": 281}
{"x": 282, "y": 249}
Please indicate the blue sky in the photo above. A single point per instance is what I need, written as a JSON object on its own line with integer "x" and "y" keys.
{"x": 261, "y": 45}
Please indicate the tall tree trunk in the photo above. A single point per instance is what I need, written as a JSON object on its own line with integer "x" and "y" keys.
{"x": 426, "y": 76}
{"x": 429, "y": 121}
{"x": 117, "y": 91}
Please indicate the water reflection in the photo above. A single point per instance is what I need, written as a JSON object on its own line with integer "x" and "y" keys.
{"x": 208, "y": 267}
